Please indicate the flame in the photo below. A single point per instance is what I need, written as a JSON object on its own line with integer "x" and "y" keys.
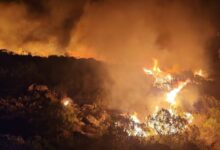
{"x": 200, "y": 73}
{"x": 189, "y": 117}
{"x": 171, "y": 96}
{"x": 162, "y": 79}
{"x": 162, "y": 121}
{"x": 134, "y": 126}
{"x": 156, "y": 68}
{"x": 134, "y": 118}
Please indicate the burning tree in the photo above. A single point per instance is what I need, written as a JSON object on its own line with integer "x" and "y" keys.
{"x": 166, "y": 123}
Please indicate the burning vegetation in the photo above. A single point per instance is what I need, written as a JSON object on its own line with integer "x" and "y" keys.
{"x": 164, "y": 121}
{"x": 43, "y": 117}
{"x": 110, "y": 74}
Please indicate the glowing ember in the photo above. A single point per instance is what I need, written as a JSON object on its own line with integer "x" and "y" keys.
{"x": 66, "y": 101}
{"x": 189, "y": 117}
{"x": 136, "y": 130}
{"x": 133, "y": 126}
{"x": 162, "y": 122}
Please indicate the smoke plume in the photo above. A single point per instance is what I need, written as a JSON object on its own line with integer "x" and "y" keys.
{"x": 40, "y": 27}
{"x": 129, "y": 34}
{"x": 126, "y": 34}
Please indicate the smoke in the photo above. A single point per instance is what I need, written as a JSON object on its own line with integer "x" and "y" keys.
{"x": 123, "y": 30}
{"x": 126, "y": 34}
{"x": 136, "y": 31}
{"x": 129, "y": 34}
{"x": 41, "y": 27}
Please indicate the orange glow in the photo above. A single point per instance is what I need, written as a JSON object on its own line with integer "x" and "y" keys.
{"x": 135, "y": 118}
{"x": 162, "y": 79}
{"x": 171, "y": 96}
{"x": 66, "y": 101}
{"x": 156, "y": 123}
{"x": 200, "y": 73}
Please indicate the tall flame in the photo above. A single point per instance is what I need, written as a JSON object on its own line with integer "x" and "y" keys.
{"x": 171, "y": 96}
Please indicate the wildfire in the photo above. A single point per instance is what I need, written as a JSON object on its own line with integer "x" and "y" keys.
{"x": 133, "y": 126}
{"x": 162, "y": 121}
{"x": 165, "y": 122}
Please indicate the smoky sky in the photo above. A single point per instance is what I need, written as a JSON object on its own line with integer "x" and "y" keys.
{"x": 182, "y": 34}
{"x": 41, "y": 20}
{"x": 55, "y": 19}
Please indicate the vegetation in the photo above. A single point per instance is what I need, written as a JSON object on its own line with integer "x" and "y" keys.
{"x": 33, "y": 115}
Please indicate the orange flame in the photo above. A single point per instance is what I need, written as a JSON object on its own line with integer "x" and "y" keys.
{"x": 162, "y": 79}
{"x": 171, "y": 96}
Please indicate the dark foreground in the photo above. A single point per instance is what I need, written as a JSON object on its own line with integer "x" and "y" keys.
{"x": 34, "y": 117}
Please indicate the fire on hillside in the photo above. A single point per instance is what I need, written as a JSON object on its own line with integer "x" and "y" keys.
{"x": 163, "y": 121}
